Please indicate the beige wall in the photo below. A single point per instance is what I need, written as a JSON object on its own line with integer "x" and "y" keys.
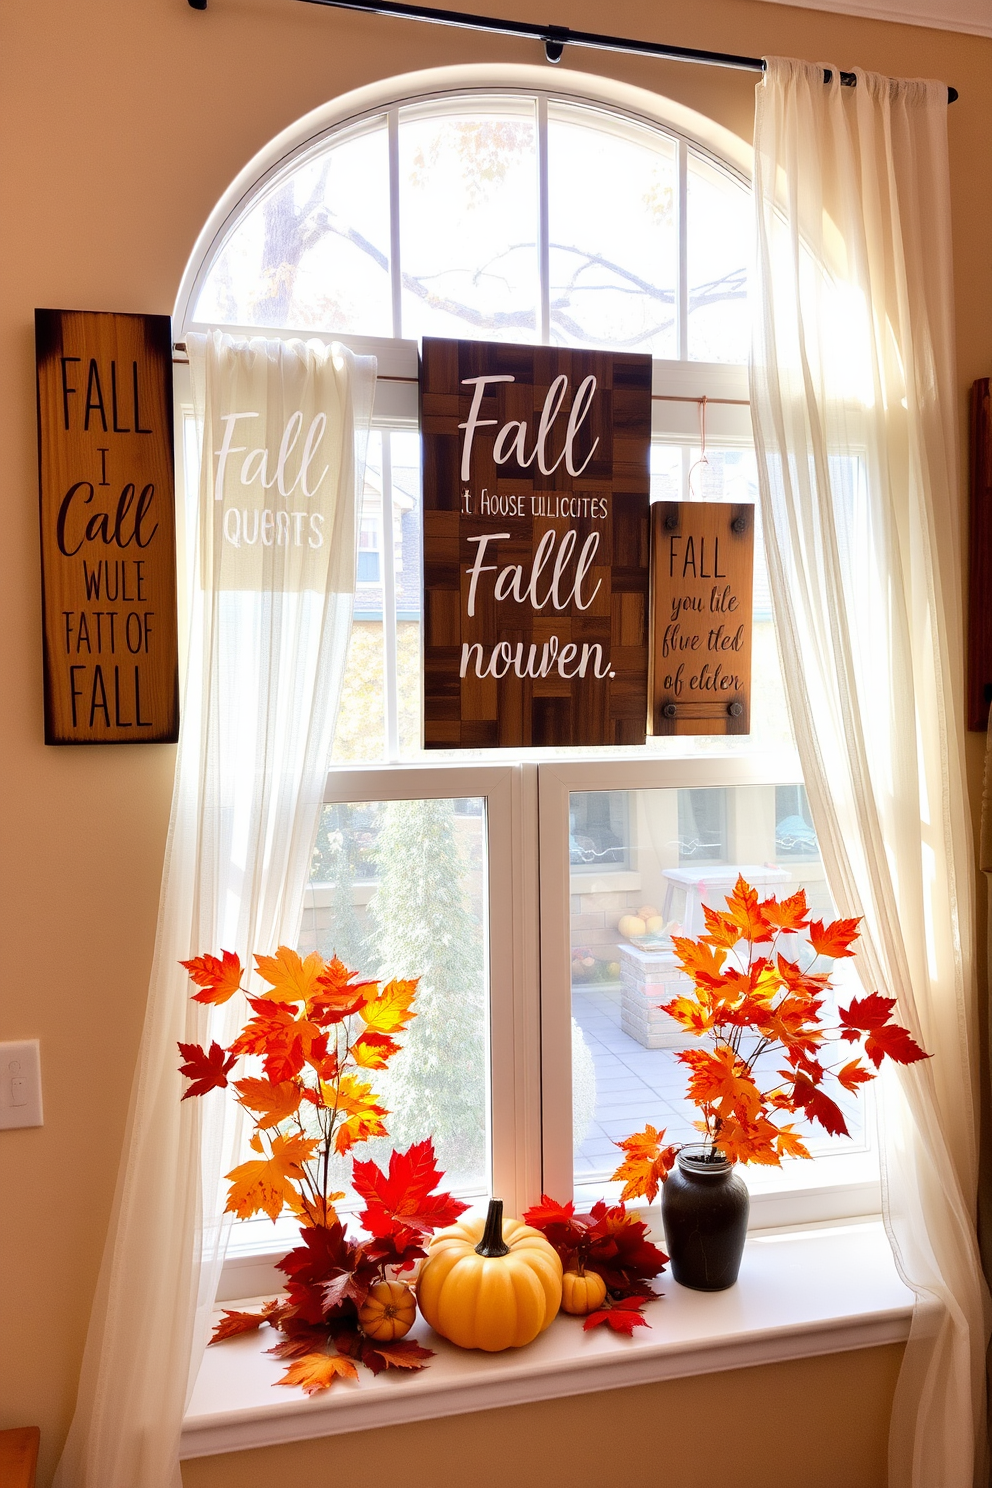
{"x": 122, "y": 123}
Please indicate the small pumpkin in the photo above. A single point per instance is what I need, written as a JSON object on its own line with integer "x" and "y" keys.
{"x": 582, "y": 1292}
{"x": 631, "y": 925}
{"x": 388, "y": 1311}
{"x": 490, "y": 1284}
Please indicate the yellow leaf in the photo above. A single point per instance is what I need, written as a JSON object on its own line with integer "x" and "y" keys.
{"x": 373, "y": 1050}
{"x": 315, "y": 1372}
{"x": 291, "y": 979}
{"x": 390, "y": 1011}
{"x": 362, "y": 1117}
{"x": 267, "y": 1184}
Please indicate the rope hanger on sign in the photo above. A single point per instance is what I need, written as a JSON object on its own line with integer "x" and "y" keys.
{"x": 702, "y": 461}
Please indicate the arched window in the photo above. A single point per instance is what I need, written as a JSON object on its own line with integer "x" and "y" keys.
{"x": 515, "y": 217}
{"x": 521, "y": 214}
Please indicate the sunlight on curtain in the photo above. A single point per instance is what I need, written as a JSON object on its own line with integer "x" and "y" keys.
{"x": 283, "y": 427}
{"x": 853, "y": 401}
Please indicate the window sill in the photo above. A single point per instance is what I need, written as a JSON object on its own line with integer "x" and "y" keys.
{"x": 801, "y": 1293}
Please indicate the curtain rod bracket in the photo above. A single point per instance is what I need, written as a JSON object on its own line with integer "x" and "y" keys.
{"x": 554, "y": 43}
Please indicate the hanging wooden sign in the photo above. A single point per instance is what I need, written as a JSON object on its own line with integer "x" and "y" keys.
{"x": 108, "y": 542}
{"x": 536, "y": 545}
{"x": 702, "y": 562}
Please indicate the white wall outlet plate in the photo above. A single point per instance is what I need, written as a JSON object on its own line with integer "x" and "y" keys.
{"x": 20, "y": 1084}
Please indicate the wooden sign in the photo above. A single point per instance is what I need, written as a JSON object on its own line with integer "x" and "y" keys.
{"x": 536, "y": 545}
{"x": 702, "y": 563}
{"x": 108, "y": 543}
{"x": 980, "y": 560}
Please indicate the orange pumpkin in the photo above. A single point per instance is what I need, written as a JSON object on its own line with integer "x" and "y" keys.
{"x": 388, "y": 1311}
{"x": 582, "y": 1292}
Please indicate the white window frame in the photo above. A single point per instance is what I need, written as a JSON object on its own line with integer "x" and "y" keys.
{"x": 526, "y": 795}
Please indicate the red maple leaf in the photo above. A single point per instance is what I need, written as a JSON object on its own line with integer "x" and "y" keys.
{"x": 819, "y": 1107}
{"x": 623, "y": 1316}
{"x": 207, "y": 1071}
{"x": 871, "y": 1015}
{"x": 402, "y": 1197}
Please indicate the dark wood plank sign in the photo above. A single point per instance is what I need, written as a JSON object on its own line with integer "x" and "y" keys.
{"x": 108, "y": 542}
{"x": 702, "y": 566}
{"x": 536, "y": 545}
{"x": 980, "y": 560}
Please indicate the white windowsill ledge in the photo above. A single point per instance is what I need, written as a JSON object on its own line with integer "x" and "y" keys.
{"x": 801, "y": 1293}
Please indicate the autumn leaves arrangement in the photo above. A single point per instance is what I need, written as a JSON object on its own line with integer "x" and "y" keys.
{"x": 318, "y": 1034}
{"x": 756, "y": 998}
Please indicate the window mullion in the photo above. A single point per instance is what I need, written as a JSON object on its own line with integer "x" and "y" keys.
{"x": 390, "y": 674}
{"x": 395, "y": 268}
{"x": 683, "y": 290}
{"x": 543, "y": 221}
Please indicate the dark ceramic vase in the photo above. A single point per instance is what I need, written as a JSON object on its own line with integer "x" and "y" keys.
{"x": 704, "y": 1207}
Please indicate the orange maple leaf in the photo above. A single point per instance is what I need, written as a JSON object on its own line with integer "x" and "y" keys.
{"x": 746, "y": 912}
{"x": 834, "y": 939}
{"x": 853, "y": 1075}
{"x": 646, "y": 1164}
{"x": 316, "y": 1372}
{"x": 272, "y": 1102}
{"x": 266, "y": 1184}
{"x": 789, "y": 914}
{"x": 693, "y": 1013}
{"x": 702, "y": 962}
{"x": 749, "y": 1141}
{"x": 218, "y": 979}
{"x": 722, "y": 1081}
{"x": 390, "y": 1011}
{"x": 283, "y": 1040}
{"x": 290, "y": 977}
{"x": 356, "y": 1102}
{"x": 721, "y": 930}
{"x": 789, "y": 1144}
{"x": 337, "y": 995}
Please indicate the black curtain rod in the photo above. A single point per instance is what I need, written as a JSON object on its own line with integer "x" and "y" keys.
{"x": 556, "y": 38}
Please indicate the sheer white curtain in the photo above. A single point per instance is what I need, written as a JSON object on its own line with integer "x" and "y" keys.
{"x": 283, "y": 427}
{"x": 854, "y": 407}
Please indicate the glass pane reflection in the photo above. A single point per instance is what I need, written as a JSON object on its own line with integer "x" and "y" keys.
{"x": 669, "y": 853}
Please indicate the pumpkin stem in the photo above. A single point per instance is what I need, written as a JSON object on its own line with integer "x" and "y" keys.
{"x": 492, "y": 1242}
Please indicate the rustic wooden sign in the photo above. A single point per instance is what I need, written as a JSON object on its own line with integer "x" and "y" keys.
{"x": 980, "y": 560}
{"x": 702, "y": 563}
{"x": 536, "y": 545}
{"x": 108, "y": 543}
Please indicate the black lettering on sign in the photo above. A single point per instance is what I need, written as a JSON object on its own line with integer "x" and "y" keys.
{"x": 703, "y": 558}
{"x": 107, "y": 509}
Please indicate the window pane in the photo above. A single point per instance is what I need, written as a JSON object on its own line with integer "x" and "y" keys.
{"x": 682, "y": 849}
{"x": 718, "y": 247}
{"x": 399, "y": 888}
{"x": 360, "y": 730}
{"x": 312, "y": 254}
{"x": 613, "y": 254}
{"x": 468, "y": 219}
{"x": 409, "y": 587}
